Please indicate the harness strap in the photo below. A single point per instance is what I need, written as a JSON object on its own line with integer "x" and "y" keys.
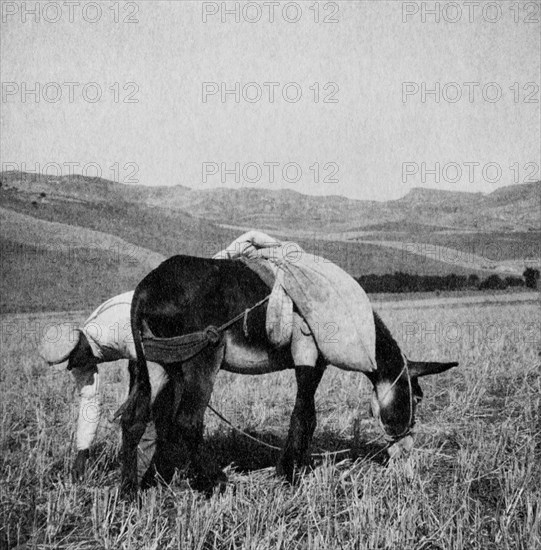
{"x": 187, "y": 346}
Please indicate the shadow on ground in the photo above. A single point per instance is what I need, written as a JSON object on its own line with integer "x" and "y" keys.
{"x": 247, "y": 455}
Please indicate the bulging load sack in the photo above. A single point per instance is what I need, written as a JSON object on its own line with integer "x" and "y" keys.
{"x": 333, "y": 305}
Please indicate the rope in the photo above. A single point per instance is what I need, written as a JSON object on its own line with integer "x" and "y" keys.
{"x": 242, "y": 315}
{"x": 264, "y": 443}
{"x": 245, "y": 434}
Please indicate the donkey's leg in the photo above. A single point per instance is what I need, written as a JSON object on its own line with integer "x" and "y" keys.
{"x": 296, "y": 453}
{"x": 198, "y": 377}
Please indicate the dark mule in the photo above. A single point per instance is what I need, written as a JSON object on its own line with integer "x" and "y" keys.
{"x": 186, "y": 294}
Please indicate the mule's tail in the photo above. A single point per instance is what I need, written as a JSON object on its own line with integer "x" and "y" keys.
{"x": 137, "y": 368}
{"x": 136, "y": 410}
{"x": 141, "y": 379}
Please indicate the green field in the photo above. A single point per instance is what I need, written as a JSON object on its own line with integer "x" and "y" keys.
{"x": 473, "y": 480}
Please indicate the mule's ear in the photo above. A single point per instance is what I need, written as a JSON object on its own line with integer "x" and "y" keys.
{"x": 424, "y": 368}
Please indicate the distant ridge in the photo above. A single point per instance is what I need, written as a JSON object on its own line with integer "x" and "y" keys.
{"x": 509, "y": 208}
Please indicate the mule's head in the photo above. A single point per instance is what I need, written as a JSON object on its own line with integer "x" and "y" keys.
{"x": 394, "y": 401}
{"x": 396, "y": 384}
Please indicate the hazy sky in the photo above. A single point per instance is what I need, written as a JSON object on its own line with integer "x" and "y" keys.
{"x": 375, "y": 61}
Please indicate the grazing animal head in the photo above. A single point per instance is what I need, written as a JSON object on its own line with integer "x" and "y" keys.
{"x": 396, "y": 387}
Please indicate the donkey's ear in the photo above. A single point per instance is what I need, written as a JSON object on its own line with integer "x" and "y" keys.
{"x": 424, "y": 368}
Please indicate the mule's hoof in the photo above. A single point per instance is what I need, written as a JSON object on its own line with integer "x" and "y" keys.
{"x": 285, "y": 471}
{"x": 129, "y": 490}
{"x": 291, "y": 471}
{"x": 209, "y": 483}
{"x": 79, "y": 465}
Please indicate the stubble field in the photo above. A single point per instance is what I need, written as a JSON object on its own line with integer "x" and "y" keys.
{"x": 472, "y": 481}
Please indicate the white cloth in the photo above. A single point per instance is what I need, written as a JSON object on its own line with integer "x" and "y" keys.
{"x": 87, "y": 379}
{"x": 247, "y": 245}
{"x": 108, "y": 329}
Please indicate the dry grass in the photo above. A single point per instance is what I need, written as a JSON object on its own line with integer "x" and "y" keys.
{"x": 472, "y": 481}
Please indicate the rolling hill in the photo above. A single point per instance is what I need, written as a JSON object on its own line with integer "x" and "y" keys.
{"x": 50, "y": 265}
{"x": 511, "y": 208}
{"x": 61, "y": 235}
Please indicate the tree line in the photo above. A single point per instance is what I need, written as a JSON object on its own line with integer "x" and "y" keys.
{"x": 407, "y": 282}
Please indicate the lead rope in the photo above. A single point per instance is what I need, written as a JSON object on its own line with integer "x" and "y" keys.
{"x": 313, "y": 455}
{"x": 387, "y": 437}
{"x": 263, "y": 443}
{"x": 242, "y": 315}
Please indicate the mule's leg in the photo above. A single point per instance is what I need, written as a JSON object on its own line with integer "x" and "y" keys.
{"x": 296, "y": 453}
{"x": 191, "y": 400}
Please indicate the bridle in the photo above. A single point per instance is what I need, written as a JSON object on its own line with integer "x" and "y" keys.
{"x": 409, "y": 425}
